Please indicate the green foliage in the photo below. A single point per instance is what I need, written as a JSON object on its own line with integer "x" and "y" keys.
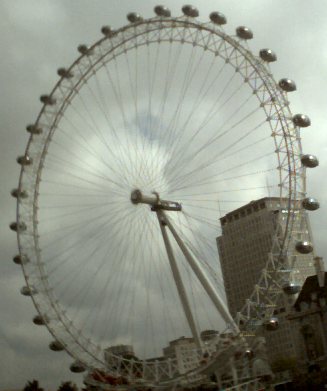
{"x": 32, "y": 386}
{"x": 68, "y": 386}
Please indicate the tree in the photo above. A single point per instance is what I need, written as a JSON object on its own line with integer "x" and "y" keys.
{"x": 67, "y": 386}
{"x": 33, "y": 386}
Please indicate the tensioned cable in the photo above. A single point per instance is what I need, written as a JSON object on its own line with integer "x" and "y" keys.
{"x": 212, "y": 115}
{"x": 87, "y": 147}
{"x": 58, "y": 161}
{"x": 84, "y": 239}
{"x": 238, "y": 166}
{"x": 221, "y": 134}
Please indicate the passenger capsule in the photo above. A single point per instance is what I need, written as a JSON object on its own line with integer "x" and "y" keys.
{"x": 65, "y": 73}
{"x": 134, "y": 17}
{"x": 48, "y": 100}
{"x": 304, "y": 247}
{"x": 244, "y": 32}
{"x": 40, "y": 320}
{"x": 301, "y": 120}
{"x": 84, "y": 49}
{"x": 24, "y": 160}
{"x": 34, "y": 129}
{"x": 28, "y": 291}
{"x": 249, "y": 353}
{"x": 309, "y": 161}
{"x": 20, "y": 259}
{"x": 162, "y": 11}
{"x": 189, "y": 10}
{"x": 218, "y": 18}
{"x": 56, "y": 346}
{"x": 77, "y": 367}
{"x": 271, "y": 324}
{"x": 18, "y": 227}
{"x": 310, "y": 204}
{"x": 107, "y": 31}
{"x": 291, "y": 288}
{"x": 17, "y": 193}
{"x": 287, "y": 85}
{"x": 267, "y": 55}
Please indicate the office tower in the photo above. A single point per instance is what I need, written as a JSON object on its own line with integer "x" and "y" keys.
{"x": 244, "y": 246}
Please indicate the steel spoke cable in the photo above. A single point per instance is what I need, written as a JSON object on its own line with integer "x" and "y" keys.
{"x": 169, "y": 78}
{"x": 169, "y": 82}
{"x": 189, "y": 76}
{"x": 78, "y": 210}
{"x": 199, "y": 184}
{"x": 97, "y": 131}
{"x": 87, "y": 147}
{"x": 202, "y": 95}
{"x": 80, "y": 179}
{"x": 224, "y": 154}
{"x": 56, "y": 160}
{"x": 117, "y": 262}
{"x": 169, "y": 128}
{"x": 122, "y": 151}
{"x": 82, "y": 240}
{"x": 210, "y": 116}
{"x": 212, "y": 177}
{"x": 133, "y": 256}
{"x": 82, "y": 206}
{"x": 118, "y": 97}
{"x": 132, "y": 306}
{"x": 133, "y": 88}
{"x": 212, "y": 159}
{"x": 95, "y": 217}
{"x": 136, "y": 255}
{"x": 101, "y": 293}
{"x": 199, "y": 235}
{"x": 133, "y": 83}
{"x": 212, "y": 109}
{"x": 196, "y": 202}
{"x": 74, "y": 186}
{"x": 83, "y": 288}
{"x": 151, "y": 83}
{"x": 130, "y": 145}
{"x": 169, "y": 135}
{"x": 81, "y": 195}
{"x": 226, "y": 191}
{"x": 222, "y": 133}
{"x": 145, "y": 167}
{"x": 78, "y": 272}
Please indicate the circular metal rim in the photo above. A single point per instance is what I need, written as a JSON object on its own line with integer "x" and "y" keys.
{"x": 285, "y": 135}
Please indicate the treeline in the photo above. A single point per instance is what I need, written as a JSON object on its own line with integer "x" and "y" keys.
{"x": 65, "y": 386}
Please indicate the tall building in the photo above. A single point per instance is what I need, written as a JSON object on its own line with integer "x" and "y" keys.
{"x": 244, "y": 246}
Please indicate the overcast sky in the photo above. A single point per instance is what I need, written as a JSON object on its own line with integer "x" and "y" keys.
{"x": 39, "y": 36}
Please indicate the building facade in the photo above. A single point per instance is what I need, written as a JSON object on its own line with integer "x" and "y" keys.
{"x": 244, "y": 246}
{"x": 309, "y": 320}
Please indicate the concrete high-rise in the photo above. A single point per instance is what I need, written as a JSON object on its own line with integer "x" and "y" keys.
{"x": 244, "y": 246}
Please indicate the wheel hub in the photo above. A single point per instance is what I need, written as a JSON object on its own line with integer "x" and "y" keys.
{"x": 137, "y": 197}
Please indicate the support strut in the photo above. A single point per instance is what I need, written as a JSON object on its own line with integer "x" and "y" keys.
{"x": 178, "y": 279}
{"x": 160, "y": 206}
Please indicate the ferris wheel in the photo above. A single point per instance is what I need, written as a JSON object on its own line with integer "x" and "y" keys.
{"x": 154, "y": 133}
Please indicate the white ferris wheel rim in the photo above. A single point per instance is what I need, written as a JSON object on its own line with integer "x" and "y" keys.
{"x": 250, "y": 67}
